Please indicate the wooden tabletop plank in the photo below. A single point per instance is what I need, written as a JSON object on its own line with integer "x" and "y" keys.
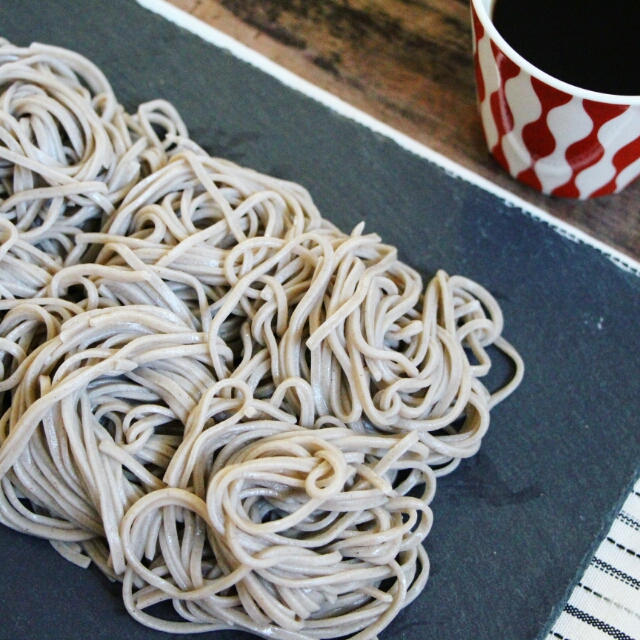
{"x": 409, "y": 64}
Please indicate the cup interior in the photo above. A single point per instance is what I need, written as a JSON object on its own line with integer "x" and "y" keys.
{"x": 484, "y": 8}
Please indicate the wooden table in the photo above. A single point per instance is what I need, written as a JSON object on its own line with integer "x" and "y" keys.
{"x": 408, "y": 63}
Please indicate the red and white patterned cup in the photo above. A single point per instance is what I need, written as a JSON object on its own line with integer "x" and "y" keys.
{"x": 556, "y": 137}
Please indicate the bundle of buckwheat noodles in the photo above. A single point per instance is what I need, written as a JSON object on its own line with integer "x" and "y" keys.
{"x": 68, "y": 155}
{"x": 208, "y": 390}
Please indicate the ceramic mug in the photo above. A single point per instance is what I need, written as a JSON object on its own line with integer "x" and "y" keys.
{"x": 558, "y": 138}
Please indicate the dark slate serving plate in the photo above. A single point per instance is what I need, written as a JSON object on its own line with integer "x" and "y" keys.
{"x": 512, "y": 525}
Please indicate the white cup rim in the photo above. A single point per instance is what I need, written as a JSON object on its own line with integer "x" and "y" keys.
{"x": 523, "y": 63}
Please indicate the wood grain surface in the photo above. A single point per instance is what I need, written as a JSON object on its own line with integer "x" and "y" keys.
{"x": 408, "y": 63}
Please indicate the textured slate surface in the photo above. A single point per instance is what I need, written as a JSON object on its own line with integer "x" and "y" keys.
{"x": 513, "y": 524}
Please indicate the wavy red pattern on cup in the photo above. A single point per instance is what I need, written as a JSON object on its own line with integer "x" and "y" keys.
{"x": 606, "y": 189}
{"x": 626, "y": 155}
{"x": 499, "y": 104}
{"x": 478, "y": 30}
{"x": 586, "y": 152}
{"x": 622, "y": 159}
{"x": 537, "y": 136}
{"x": 530, "y": 177}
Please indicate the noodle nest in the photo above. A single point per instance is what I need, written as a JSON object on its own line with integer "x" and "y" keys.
{"x": 208, "y": 390}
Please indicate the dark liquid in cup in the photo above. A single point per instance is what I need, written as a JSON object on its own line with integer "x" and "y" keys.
{"x": 594, "y": 44}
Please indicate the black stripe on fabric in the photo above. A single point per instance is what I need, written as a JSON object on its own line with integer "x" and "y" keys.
{"x": 605, "y": 567}
{"x": 608, "y": 600}
{"x": 555, "y": 634}
{"x": 623, "y": 516}
{"x": 591, "y": 591}
{"x": 622, "y": 547}
{"x": 601, "y": 625}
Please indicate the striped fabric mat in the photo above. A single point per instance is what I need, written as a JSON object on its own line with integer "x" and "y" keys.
{"x": 605, "y": 602}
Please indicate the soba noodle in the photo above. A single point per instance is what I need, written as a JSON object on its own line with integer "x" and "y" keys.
{"x": 208, "y": 390}
{"x": 68, "y": 155}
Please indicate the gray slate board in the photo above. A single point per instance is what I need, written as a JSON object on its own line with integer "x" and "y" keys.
{"x": 512, "y": 525}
